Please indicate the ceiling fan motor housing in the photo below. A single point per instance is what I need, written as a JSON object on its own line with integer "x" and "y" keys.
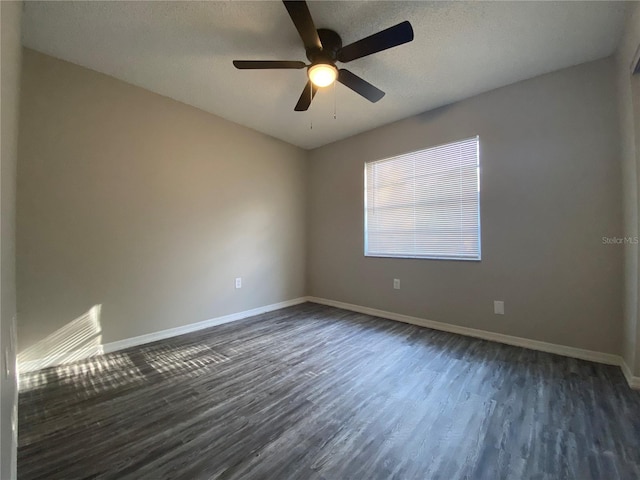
{"x": 331, "y": 44}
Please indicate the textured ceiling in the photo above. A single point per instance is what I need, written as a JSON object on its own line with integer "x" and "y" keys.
{"x": 184, "y": 50}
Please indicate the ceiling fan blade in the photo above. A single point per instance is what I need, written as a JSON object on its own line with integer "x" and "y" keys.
{"x": 307, "y": 95}
{"x": 360, "y": 86}
{"x": 301, "y": 17}
{"x": 389, "y": 38}
{"x": 262, "y": 64}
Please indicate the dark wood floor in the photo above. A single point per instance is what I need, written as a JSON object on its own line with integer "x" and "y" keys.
{"x": 313, "y": 392}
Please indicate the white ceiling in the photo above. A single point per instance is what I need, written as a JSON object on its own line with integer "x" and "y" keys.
{"x": 184, "y": 50}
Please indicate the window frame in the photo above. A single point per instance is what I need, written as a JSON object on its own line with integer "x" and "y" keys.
{"x": 431, "y": 256}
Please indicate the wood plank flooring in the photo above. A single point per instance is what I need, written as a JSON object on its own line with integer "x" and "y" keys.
{"x": 318, "y": 393}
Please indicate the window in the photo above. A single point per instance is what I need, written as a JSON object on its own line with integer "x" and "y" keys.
{"x": 425, "y": 204}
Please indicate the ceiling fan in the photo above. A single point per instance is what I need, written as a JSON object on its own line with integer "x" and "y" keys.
{"x": 324, "y": 48}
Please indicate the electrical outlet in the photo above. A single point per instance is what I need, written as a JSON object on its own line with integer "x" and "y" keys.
{"x": 396, "y": 283}
{"x": 239, "y": 282}
{"x": 498, "y": 307}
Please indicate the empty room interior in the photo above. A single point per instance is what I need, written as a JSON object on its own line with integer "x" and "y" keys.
{"x": 320, "y": 240}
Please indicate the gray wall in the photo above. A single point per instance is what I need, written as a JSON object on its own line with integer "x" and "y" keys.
{"x": 628, "y": 97}
{"x": 10, "y": 13}
{"x": 550, "y": 190}
{"x": 148, "y": 207}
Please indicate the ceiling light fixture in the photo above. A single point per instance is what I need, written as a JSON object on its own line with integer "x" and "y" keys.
{"x": 322, "y": 74}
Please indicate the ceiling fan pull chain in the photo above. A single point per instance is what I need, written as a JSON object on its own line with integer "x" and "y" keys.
{"x": 334, "y": 100}
{"x": 310, "y": 100}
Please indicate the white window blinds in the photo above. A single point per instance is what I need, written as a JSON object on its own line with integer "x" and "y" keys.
{"x": 425, "y": 204}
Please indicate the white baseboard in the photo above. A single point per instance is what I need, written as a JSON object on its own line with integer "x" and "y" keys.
{"x": 58, "y": 358}
{"x": 192, "y": 327}
{"x": 76, "y": 355}
{"x": 590, "y": 355}
{"x": 634, "y": 382}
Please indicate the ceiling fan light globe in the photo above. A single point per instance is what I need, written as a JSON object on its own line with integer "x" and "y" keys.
{"x": 322, "y": 74}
